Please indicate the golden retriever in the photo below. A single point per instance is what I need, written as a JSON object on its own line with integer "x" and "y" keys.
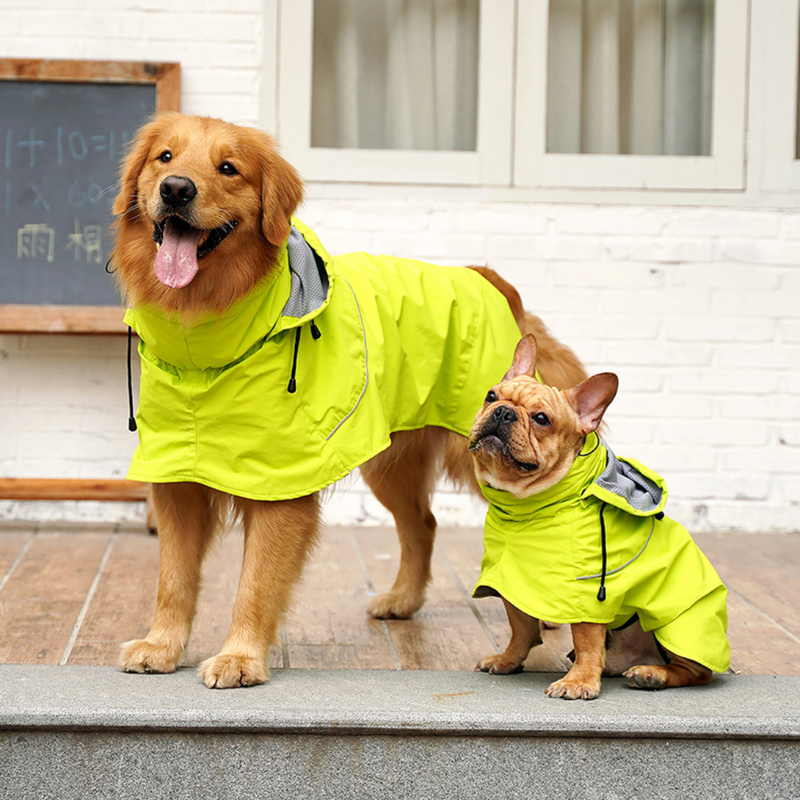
{"x": 236, "y": 196}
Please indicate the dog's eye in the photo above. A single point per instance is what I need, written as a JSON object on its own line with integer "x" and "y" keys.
{"x": 491, "y": 397}
{"x": 540, "y": 418}
{"x": 226, "y": 168}
{"x": 165, "y": 157}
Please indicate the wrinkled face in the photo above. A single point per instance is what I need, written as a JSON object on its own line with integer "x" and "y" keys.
{"x": 525, "y": 437}
{"x": 202, "y": 183}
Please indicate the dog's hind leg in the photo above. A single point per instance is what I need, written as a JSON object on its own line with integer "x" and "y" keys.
{"x": 679, "y": 672}
{"x": 402, "y": 478}
{"x": 187, "y": 518}
{"x": 278, "y": 536}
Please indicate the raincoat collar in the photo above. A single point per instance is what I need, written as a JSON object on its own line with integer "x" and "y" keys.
{"x": 595, "y": 473}
{"x": 296, "y": 291}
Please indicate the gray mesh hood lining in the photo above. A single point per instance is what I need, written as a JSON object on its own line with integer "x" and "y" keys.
{"x": 309, "y": 279}
{"x": 625, "y": 481}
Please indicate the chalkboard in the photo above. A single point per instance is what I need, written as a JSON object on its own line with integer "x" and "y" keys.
{"x": 64, "y": 127}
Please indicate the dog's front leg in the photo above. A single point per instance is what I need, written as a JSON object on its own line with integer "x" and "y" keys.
{"x": 582, "y": 682}
{"x": 525, "y": 633}
{"x": 278, "y": 537}
{"x": 186, "y": 523}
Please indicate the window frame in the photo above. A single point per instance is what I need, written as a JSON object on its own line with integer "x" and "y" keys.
{"x": 489, "y": 165}
{"x": 723, "y": 169}
{"x": 773, "y": 165}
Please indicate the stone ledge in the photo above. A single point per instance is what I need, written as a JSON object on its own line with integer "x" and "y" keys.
{"x": 393, "y": 703}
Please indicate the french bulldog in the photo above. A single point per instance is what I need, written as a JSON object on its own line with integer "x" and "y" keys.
{"x": 575, "y": 535}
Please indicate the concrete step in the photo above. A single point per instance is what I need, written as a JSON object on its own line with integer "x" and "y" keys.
{"x": 93, "y": 732}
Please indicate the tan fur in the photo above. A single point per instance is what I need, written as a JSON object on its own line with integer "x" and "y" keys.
{"x": 261, "y": 197}
{"x": 571, "y": 414}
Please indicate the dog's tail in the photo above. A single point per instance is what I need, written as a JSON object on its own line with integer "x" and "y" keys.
{"x": 556, "y": 364}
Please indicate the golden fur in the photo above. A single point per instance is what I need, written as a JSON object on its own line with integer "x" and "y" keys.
{"x": 261, "y": 195}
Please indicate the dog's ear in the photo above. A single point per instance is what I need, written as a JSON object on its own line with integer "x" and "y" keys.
{"x": 281, "y": 193}
{"x": 591, "y": 398}
{"x": 524, "y": 358}
{"x": 134, "y": 163}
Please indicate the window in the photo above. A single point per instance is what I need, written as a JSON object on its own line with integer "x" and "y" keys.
{"x": 397, "y": 90}
{"x": 639, "y": 94}
{"x": 533, "y": 93}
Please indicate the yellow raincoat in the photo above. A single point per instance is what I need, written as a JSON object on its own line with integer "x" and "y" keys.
{"x": 545, "y": 555}
{"x": 306, "y": 377}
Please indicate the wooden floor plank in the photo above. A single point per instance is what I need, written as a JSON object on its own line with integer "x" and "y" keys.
{"x": 445, "y": 634}
{"x": 42, "y": 597}
{"x": 758, "y": 645}
{"x": 123, "y": 603}
{"x": 768, "y": 585}
{"x": 41, "y": 600}
{"x": 12, "y": 544}
{"x": 328, "y": 624}
{"x": 783, "y": 548}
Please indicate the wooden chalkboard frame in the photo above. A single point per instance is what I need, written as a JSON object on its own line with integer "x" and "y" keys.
{"x": 166, "y": 78}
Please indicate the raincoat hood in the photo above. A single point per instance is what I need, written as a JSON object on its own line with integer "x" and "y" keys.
{"x": 307, "y": 377}
{"x": 603, "y": 525}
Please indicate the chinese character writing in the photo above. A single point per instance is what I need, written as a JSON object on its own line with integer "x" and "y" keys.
{"x": 88, "y": 241}
{"x": 35, "y": 240}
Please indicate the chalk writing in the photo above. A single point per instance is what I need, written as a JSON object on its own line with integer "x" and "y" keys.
{"x": 35, "y": 240}
{"x": 88, "y": 241}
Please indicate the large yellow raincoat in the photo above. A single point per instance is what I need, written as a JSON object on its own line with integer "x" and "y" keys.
{"x": 370, "y": 345}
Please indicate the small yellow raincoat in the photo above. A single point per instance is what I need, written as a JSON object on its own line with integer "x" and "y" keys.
{"x": 306, "y": 377}
{"x": 545, "y": 554}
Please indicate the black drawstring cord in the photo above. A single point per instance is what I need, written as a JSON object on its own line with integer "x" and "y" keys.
{"x": 601, "y": 594}
{"x": 292, "y": 388}
{"x": 315, "y": 334}
{"x": 131, "y": 416}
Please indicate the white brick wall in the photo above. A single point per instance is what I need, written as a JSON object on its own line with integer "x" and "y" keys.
{"x": 695, "y": 307}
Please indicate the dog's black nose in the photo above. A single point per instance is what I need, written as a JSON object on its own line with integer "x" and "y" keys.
{"x": 177, "y": 192}
{"x": 504, "y": 415}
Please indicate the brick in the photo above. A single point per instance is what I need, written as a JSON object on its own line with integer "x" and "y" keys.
{"x": 723, "y": 222}
{"x": 760, "y": 357}
{"x": 677, "y": 251}
{"x": 754, "y": 303}
{"x": 789, "y": 490}
{"x": 623, "y": 275}
{"x": 725, "y": 275}
{"x": 657, "y": 353}
{"x": 664, "y": 301}
{"x": 719, "y": 329}
{"x": 608, "y": 328}
{"x": 664, "y": 407}
{"x": 760, "y": 251}
{"x": 716, "y": 432}
{"x": 452, "y": 248}
{"x": 225, "y": 28}
{"x": 789, "y": 330}
{"x": 504, "y": 218}
{"x": 607, "y": 220}
{"x": 767, "y": 407}
{"x": 721, "y": 381}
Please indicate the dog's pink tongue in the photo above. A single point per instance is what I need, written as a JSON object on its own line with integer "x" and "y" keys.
{"x": 176, "y": 260}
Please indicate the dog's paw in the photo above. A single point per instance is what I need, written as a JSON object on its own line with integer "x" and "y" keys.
{"x": 499, "y": 664}
{"x": 232, "y": 671}
{"x": 646, "y": 677}
{"x": 140, "y": 655}
{"x": 394, "y": 605}
{"x": 574, "y": 690}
